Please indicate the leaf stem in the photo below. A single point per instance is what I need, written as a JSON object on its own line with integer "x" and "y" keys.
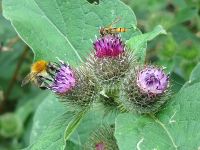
{"x": 10, "y": 44}
{"x": 74, "y": 123}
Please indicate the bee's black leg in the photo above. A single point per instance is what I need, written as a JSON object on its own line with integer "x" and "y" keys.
{"x": 44, "y": 86}
{"x": 53, "y": 66}
{"x": 42, "y": 78}
{"x": 41, "y": 82}
{"x": 51, "y": 74}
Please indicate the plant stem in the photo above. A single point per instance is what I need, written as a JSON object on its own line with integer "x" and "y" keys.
{"x": 15, "y": 74}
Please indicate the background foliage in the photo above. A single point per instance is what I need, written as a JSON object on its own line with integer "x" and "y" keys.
{"x": 178, "y": 51}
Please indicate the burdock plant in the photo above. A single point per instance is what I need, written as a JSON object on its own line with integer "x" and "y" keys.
{"x": 63, "y": 29}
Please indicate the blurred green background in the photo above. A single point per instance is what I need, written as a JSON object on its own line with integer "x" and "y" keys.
{"x": 178, "y": 51}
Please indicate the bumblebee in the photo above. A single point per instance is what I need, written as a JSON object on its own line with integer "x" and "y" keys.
{"x": 39, "y": 74}
{"x": 110, "y": 30}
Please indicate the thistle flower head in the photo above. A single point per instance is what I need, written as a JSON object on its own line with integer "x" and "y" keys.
{"x": 64, "y": 79}
{"x": 152, "y": 80}
{"x": 77, "y": 88}
{"x": 108, "y": 46}
{"x": 111, "y": 60}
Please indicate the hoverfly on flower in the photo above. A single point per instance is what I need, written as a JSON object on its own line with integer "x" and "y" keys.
{"x": 112, "y": 30}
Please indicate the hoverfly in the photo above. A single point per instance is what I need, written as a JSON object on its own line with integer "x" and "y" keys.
{"x": 110, "y": 30}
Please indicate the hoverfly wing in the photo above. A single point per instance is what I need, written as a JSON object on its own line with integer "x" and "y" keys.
{"x": 117, "y": 19}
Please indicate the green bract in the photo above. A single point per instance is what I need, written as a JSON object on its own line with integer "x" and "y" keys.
{"x": 102, "y": 138}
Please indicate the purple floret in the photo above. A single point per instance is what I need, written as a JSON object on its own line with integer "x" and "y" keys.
{"x": 100, "y": 146}
{"x": 108, "y": 46}
{"x": 152, "y": 80}
{"x": 64, "y": 80}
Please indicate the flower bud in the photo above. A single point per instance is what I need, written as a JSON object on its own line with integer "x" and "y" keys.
{"x": 146, "y": 90}
{"x": 102, "y": 139}
{"x": 10, "y": 125}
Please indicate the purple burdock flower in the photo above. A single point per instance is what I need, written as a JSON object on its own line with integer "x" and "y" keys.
{"x": 100, "y": 146}
{"x": 64, "y": 80}
{"x": 152, "y": 80}
{"x": 108, "y": 46}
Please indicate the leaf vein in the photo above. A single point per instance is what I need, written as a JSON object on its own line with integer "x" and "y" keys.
{"x": 165, "y": 129}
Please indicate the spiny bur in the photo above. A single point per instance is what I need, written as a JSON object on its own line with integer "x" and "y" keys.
{"x": 102, "y": 139}
{"x": 110, "y": 61}
{"x": 145, "y": 90}
{"x": 77, "y": 88}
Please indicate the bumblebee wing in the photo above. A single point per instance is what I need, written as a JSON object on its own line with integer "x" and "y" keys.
{"x": 28, "y": 78}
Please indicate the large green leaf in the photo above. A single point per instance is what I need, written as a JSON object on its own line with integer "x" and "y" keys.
{"x": 175, "y": 127}
{"x": 32, "y": 100}
{"x": 52, "y": 137}
{"x": 49, "y": 123}
{"x": 48, "y": 110}
{"x": 194, "y": 76}
{"x": 64, "y": 28}
{"x": 139, "y": 43}
{"x": 185, "y": 14}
